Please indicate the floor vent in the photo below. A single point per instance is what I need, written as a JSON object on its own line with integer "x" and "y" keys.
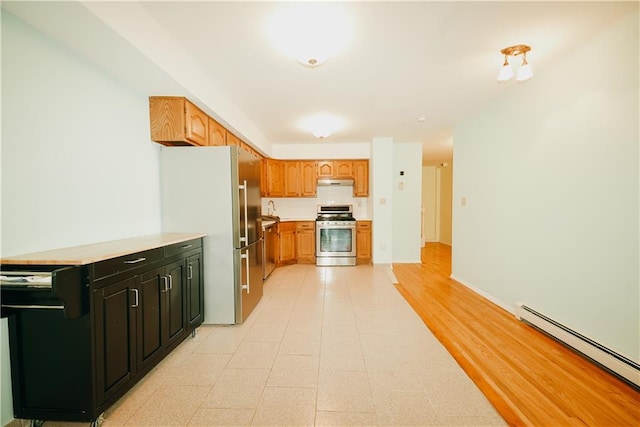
{"x": 609, "y": 359}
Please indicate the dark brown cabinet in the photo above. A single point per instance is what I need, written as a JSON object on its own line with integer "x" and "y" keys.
{"x": 140, "y": 307}
{"x": 115, "y": 330}
{"x": 195, "y": 292}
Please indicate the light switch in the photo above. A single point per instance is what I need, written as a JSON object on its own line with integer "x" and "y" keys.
{"x": 463, "y": 201}
{"x": 383, "y": 201}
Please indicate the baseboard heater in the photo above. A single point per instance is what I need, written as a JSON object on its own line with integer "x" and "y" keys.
{"x": 607, "y": 358}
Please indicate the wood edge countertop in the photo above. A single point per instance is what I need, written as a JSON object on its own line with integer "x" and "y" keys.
{"x": 94, "y": 252}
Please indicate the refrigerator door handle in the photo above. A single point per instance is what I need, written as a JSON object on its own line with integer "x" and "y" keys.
{"x": 245, "y": 188}
{"x": 245, "y": 256}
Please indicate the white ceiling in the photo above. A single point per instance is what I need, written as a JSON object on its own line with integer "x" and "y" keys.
{"x": 439, "y": 60}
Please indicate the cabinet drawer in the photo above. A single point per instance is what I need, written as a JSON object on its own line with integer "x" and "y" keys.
{"x": 363, "y": 225}
{"x": 124, "y": 263}
{"x": 286, "y": 226}
{"x": 306, "y": 225}
{"x": 182, "y": 247}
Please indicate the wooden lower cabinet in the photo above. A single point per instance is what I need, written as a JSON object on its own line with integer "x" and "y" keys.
{"x": 296, "y": 243}
{"x": 286, "y": 243}
{"x": 305, "y": 242}
{"x": 363, "y": 242}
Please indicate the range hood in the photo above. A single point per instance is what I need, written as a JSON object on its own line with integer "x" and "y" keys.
{"x": 335, "y": 182}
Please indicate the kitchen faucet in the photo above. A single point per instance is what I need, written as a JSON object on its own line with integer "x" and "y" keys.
{"x": 271, "y": 206}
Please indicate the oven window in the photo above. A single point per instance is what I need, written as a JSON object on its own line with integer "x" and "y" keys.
{"x": 336, "y": 240}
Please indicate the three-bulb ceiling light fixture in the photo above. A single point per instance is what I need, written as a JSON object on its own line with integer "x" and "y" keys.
{"x": 524, "y": 73}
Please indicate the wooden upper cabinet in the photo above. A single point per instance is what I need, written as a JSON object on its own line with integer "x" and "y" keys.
{"x": 196, "y": 124}
{"x": 342, "y": 169}
{"x": 232, "y": 139}
{"x": 325, "y": 169}
{"x": 176, "y": 121}
{"x": 335, "y": 169}
{"x": 217, "y": 133}
{"x": 361, "y": 178}
{"x": 308, "y": 178}
{"x": 291, "y": 179}
{"x": 274, "y": 177}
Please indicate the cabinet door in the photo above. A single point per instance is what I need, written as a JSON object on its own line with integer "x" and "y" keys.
{"x": 361, "y": 178}
{"x": 149, "y": 318}
{"x": 115, "y": 325}
{"x": 217, "y": 133}
{"x": 305, "y": 242}
{"x": 275, "y": 177}
{"x": 195, "y": 291}
{"x": 287, "y": 239}
{"x": 308, "y": 178}
{"x": 363, "y": 242}
{"x": 174, "y": 315}
{"x": 325, "y": 169}
{"x": 196, "y": 124}
{"x": 342, "y": 169}
{"x": 232, "y": 139}
{"x": 291, "y": 179}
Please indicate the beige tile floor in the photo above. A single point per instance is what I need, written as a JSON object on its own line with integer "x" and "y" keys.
{"x": 326, "y": 346}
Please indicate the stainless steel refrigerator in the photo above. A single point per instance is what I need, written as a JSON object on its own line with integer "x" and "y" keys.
{"x": 216, "y": 190}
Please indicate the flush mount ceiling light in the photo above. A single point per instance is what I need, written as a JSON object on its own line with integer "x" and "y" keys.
{"x": 524, "y": 73}
{"x": 321, "y": 125}
{"x": 310, "y": 32}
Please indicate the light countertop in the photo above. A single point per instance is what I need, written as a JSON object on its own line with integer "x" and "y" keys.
{"x": 87, "y": 254}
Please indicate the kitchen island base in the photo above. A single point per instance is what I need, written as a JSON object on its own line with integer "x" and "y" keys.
{"x": 73, "y": 363}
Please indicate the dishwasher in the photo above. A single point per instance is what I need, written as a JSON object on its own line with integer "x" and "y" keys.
{"x": 269, "y": 252}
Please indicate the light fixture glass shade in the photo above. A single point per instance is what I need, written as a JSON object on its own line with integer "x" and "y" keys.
{"x": 322, "y": 125}
{"x": 310, "y": 32}
{"x": 506, "y": 72}
{"x": 525, "y": 72}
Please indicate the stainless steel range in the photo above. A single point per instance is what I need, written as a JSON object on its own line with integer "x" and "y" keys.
{"x": 335, "y": 235}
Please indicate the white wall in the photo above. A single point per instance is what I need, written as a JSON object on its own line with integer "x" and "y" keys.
{"x": 77, "y": 163}
{"x": 407, "y": 195}
{"x": 306, "y": 208}
{"x": 321, "y": 150}
{"x": 550, "y": 176}
{"x": 381, "y": 190}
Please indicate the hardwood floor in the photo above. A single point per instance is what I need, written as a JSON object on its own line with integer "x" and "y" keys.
{"x": 530, "y": 378}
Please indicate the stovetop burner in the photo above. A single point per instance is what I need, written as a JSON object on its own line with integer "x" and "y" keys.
{"x": 335, "y": 213}
{"x": 335, "y": 218}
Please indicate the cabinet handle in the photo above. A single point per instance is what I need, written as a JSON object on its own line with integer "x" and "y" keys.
{"x": 190, "y": 275}
{"x": 166, "y": 283}
{"x": 185, "y": 246}
{"x": 170, "y": 281}
{"x": 135, "y": 304}
{"x": 135, "y": 261}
